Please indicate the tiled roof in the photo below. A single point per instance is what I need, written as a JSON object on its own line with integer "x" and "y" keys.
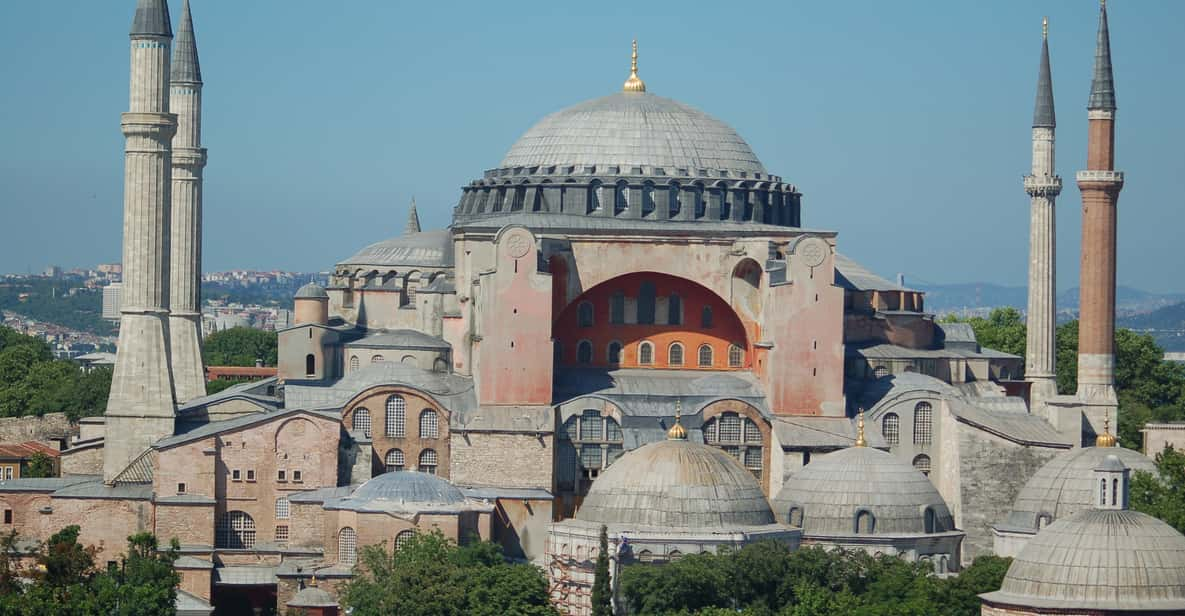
{"x": 25, "y": 450}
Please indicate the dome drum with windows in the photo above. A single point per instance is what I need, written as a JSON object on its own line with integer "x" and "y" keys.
{"x": 633, "y": 156}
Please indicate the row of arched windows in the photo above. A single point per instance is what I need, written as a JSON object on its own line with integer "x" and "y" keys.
{"x": 739, "y": 436}
{"x": 347, "y": 544}
{"x": 394, "y": 425}
{"x": 705, "y": 355}
{"x": 647, "y": 309}
{"x": 864, "y": 521}
{"x": 923, "y": 425}
{"x": 394, "y": 461}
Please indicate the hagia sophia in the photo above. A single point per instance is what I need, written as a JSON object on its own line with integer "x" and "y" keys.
{"x": 626, "y": 325}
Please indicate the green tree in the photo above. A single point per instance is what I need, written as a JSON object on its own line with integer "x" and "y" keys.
{"x": 602, "y": 594}
{"x": 40, "y": 465}
{"x": 1003, "y": 330}
{"x": 1162, "y": 495}
{"x": 144, "y": 583}
{"x": 240, "y": 346}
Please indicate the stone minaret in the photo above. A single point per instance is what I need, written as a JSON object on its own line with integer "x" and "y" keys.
{"x": 1043, "y": 187}
{"x": 1100, "y": 185}
{"x": 141, "y": 406}
{"x": 413, "y": 219}
{"x": 189, "y": 158}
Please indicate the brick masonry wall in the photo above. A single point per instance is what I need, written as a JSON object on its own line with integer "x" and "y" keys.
{"x": 43, "y": 428}
{"x": 83, "y": 462}
{"x": 503, "y": 460}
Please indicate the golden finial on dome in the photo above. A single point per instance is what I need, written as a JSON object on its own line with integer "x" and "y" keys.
{"x": 677, "y": 432}
{"x": 313, "y": 581}
{"x": 1106, "y": 439}
{"x": 1044, "y": 27}
{"x": 860, "y": 442}
{"x": 633, "y": 84}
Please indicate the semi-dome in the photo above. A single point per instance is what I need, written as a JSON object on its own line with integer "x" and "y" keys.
{"x": 312, "y": 596}
{"x": 419, "y": 249}
{"x": 1065, "y": 486}
{"x": 635, "y": 129}
{"x": 1099, "y": 560}
{"x": 827, "y": 496}
{"x": 402, "y": 491}
{"x": 311, "y": 290}
{"x": 676, "y": 484}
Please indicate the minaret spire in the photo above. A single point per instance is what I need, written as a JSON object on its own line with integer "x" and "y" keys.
{"x": 1102, "y": 85}
{"x": 1043, "y": 186}
{"x": 413, "y": 219}
{"x": 189, "y": 161}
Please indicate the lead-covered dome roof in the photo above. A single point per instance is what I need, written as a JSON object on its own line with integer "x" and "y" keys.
{"x": 676, "y": 484}
{"x": 402, "y": 491}
{"x": 833, "y": 489}
{"x": 635, "y": 129}
{"x": 1099, "y": 560}
{"x": 1065, "y": 485}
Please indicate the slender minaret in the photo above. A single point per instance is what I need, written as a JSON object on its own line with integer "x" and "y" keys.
{"x": 189, "y": 158}
{"x": 1100, "y": 185}
{"x": 140, "y": 408}
{"x": 1043, "y": 186}
{"x": 413, "y": 219}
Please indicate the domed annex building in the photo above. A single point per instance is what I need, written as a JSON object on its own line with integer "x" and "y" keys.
{"x": 628, "y": 267}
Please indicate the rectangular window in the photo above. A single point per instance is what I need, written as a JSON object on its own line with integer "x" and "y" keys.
{"x": 181, "y": 488}
{"x": 250, "y": 474}
{"x": 296, "y": 477}
{"x": 282, "y": 476}
{"x": 8, "y": 516}
{"x": 590, "y": 456}
{"x": 235, "y": 475}
{"x": 282, "y": 534}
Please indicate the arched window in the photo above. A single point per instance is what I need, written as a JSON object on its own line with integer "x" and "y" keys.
{"x": 584, "y": 314}
{"x": 594, "y": 195}
{"x": 673, "y": 203}
{"x": 428, "y": 461}
{"x": 1114, "y": 492}
{"x": 588, "y": 443}
{"x": 361, "y": 421}
{"x": 647, "y": 198}
{"x": 645, "y": 556}
{"x": 645, "y": 353}
{"x": 930, "y": 520}
{"x": 1043, "y": 520}
{"x": 622, "y": 199}
{"x": 705, "y": 317}
{"x": 396, "y": 407}
{"x": 429, "y": 424}
{"x": 865, "y": 522}
{"x": 235, "y": 530}
{"x": 408, "y": 360}
{"x": 377, "y": 359}
{"x": 1102, "y": 491}
{"x": 614, "y": 353}
{"x": 880, "y": 372}
{"x": 674, "y": 556}
{"x": 584, "y": 352}
{"x": 394, "y": 460}
{"x": 282, "y": 508}
{"x": 674, "y": 310}
{"x": 921, "y": 462}
{"x": 617, "y": 308}
{"x": 705, "y": 356}
{"x": 736, "y": 356}
{"x": 795, "y": 517}
{"x": 923, "y": 424}
{"x": 310, "y": 365}
{"x": 675, "y": 354}
{"x": 403, "y": 537}
{"x": 440, "y": 365}
{"x": 354, "y": 363}
{"x": 347, "y": 547}
{"x": 646, "y": 295}
{"x": 739, "y": 436}
{"x": 891, "y": 428}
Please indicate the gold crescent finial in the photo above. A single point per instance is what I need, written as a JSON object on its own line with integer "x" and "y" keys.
{"x": 677, "y": 432}
{"x": 633, "y": 84}
{"x": 1044, "y": 27}
{"x": 1106, "y": 439}
{"x": 313, "y": 581}
{"x": 860, "y": 442}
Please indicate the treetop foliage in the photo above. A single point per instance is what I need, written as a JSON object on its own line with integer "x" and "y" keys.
{"x": 240, "y": 346}
{"x": 32, "y": 382}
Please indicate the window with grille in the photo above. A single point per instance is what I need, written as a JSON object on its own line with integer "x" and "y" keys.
{"x": 735, "y": 356}
{"x": 617, "y": 308}
{"x": 354, "y": 363}
{"x": 739, "y": 436}
{"x": 891, "y": 428}
{"x": 675, "y": 354}
{"x": 705, "y": 356}
{"x": 282, "y": 508}
{"x": 396, "y": 408}
{"x": 584, "y": 352}
{"x": 403, "y": 537}
{"x": 377, "y": 359}
{"x": 730, "y": 428}
{"x": 753, "y": 460}
{"x": 645, "y": 353}
{"x": 235, "y": 530}
{"x": 923, "y": 424}
{"x": 310, "y": 364}
{"x": 429, "y": 424}
{"x": 362, "y": 420}
{"x": 428, "y": 461}
{"x": 282, "y": 534}
{"x": 880, "y": 372}
{"x": 591, "y": 426}
{"x": 590, "y": 456}
{"x": 589, "y": 443}
{"x": 584, "y": 314}
{"x": 752, "y": 432}
{"x": 614, "y": 353}
{"x": 922, "y": 463}
{"x": 347, "y": 546}
{"x": 394, "y": 460}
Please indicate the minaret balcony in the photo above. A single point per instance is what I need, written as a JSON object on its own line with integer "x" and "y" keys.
{"x": 1043, "y": 185}
{"x": 1101, "y": 176}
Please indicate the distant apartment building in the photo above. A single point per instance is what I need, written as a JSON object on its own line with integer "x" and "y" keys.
{"x": 53, "y": 271}
{"x": 111, "y": 300}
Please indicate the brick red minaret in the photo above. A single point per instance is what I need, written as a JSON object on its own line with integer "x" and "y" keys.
{"x": 1100, "y": 185}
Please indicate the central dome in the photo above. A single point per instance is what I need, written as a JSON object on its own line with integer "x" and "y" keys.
{"x": 635, "y": 129}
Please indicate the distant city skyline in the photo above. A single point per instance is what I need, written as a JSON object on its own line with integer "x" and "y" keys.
{"x": 905, "y": 126}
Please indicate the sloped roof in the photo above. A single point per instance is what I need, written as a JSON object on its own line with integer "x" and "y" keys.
{"x": 855, "y": 277}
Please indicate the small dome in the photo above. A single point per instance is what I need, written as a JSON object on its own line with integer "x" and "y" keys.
{"x": 402, "y": 490}
{"x": 833, "y": 489}
{"x": 676, "y": 484}
{"x": 1065, "y": 485}
{"x": 312, "y": 596}
{"x": 1099, "y": 560}
{"x": 311, "y": 290}
{"x": 634, "y": 129}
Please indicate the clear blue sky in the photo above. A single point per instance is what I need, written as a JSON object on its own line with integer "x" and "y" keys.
{"x": 905, "y": 124}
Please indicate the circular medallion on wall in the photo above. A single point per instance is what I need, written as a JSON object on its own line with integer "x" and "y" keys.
{"x": 812, "y": 250}
{"x": 518, "y": 243}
